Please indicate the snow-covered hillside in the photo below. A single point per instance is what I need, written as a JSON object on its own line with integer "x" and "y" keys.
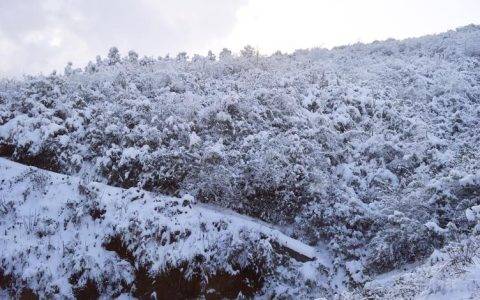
{"x": 64, "y": 237}
{"x": 368, "y": 154}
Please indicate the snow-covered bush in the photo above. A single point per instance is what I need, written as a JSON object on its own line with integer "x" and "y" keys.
{"x": 401, "y": 240}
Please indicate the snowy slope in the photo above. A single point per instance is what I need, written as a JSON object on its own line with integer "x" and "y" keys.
{"x": 57, "y": 227}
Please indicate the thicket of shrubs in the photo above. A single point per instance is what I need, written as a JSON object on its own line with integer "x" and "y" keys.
{"x": 360, "y": 145}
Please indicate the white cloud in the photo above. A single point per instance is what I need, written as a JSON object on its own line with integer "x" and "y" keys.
{"x": 292, "y": 24}
{"x": 39, "y": 36}
{"x": 42, "y": 35}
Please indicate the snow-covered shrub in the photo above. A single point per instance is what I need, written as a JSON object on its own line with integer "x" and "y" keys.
{"x": 472, "y": 46}
{"x": 401, "y": 240}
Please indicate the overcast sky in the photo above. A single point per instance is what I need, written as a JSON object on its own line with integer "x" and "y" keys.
{"x": 42, "y": 35}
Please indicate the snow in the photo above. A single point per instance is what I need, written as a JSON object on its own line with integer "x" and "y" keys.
{"x": 473, "y": 213}
{"x": 309, "y": 271}
{"x": 194, "y": 139}
{"x": 434, "y": 227}
{"x": 270, "y": 230}
{"x": 355, "y": 268}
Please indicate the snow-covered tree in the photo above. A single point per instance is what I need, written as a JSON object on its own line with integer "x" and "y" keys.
{"x": 113, "y": 56}
{"x": 225, "y": 54}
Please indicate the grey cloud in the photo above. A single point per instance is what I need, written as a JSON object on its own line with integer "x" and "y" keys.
{"x": 40, "y": 35}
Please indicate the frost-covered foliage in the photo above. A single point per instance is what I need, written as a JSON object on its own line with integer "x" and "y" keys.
{"x": 371, "y": 148}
